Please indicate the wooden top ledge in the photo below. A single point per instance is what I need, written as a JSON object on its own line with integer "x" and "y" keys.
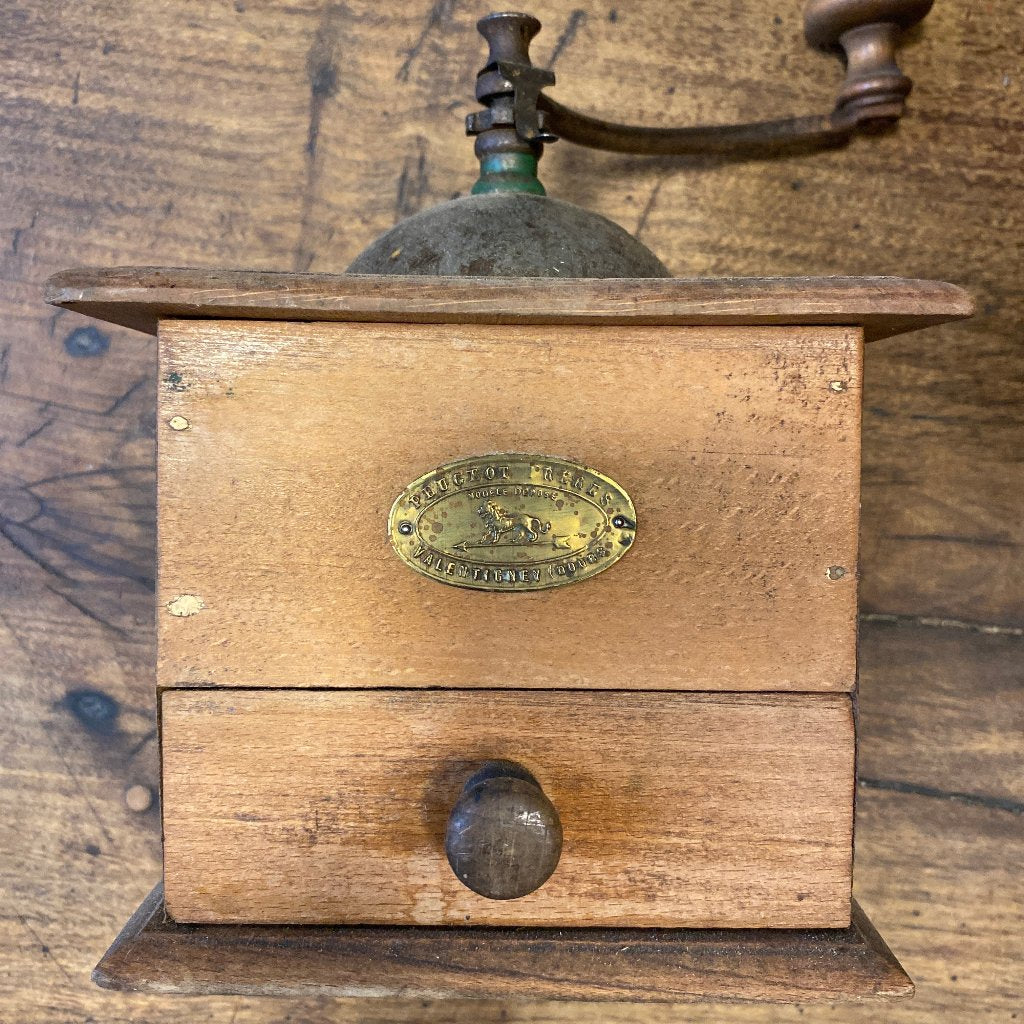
{"x": 139, "y": 297}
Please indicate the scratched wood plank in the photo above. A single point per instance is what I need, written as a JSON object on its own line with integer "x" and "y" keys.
{"x": 152, "y": 133}
{"x": 741, "y": 458}
{"x": 962, "y": 742}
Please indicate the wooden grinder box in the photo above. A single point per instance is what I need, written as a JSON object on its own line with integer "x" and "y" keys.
{"x": 676, "y": 672}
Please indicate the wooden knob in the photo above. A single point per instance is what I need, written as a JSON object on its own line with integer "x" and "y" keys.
{"x": 866, "y": 31}
{"x": 827, "y": 21}
{"x": 504, "y": 835}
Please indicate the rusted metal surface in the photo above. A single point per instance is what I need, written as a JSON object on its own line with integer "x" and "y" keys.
{"x": 508, "y": 234}
{"x": 818, "y": 131}
{"x": 873, "y": 95}
{"x": 511, "y": 129}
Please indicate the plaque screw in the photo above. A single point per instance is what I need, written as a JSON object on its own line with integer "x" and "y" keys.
{"x": 178, "y": 423}
{"x": 837, "y": 386}
{"x": 405, "y": 528}
{"x": 836, "y": 572}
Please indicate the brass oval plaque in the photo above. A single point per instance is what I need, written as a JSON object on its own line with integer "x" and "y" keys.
{"x": 512, "y": 522}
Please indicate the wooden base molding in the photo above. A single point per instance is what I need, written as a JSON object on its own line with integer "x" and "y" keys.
{"x": 154, "y": 954}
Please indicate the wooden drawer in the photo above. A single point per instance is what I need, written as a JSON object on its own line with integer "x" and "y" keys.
{"x": 739, "y": 446}
{"x": 693, "y": 810}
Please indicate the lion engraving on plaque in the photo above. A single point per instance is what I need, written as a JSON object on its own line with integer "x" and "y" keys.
{"x": 514, "y": 527}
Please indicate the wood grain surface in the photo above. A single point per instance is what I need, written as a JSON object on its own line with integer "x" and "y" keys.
{"x": 284, "y": 136}
{"x": 666, "y": 965}
{"x": 678, "y": 810}
{"x": 740, "y": 458}
{"x": 140, "y": 297}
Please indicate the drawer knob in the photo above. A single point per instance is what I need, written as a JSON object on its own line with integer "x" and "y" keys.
{"x": 504, "y": 835}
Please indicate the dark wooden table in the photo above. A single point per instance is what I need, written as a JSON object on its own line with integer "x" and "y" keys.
{"x": 281, "y": 135}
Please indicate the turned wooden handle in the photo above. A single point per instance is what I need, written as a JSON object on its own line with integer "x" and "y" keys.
{"x": 504, "y": 835}
{"x": 827, "y": 21}
{"x": 867, "y": 31}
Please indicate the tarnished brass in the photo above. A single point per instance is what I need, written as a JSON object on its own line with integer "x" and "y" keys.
{"x": 512, "y": 522}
